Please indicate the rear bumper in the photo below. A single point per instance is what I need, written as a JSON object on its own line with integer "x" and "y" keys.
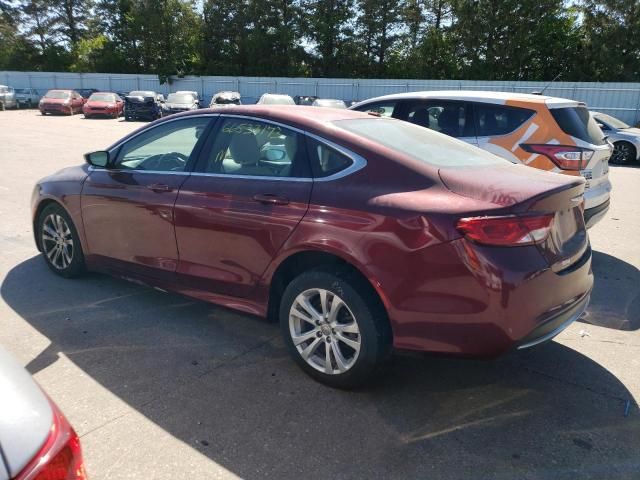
{"x": 594, "y": 215}
{"x": 550, "y": 327}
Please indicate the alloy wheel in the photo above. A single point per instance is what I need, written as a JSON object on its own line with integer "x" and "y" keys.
{"x": 57, "y": 241}
{"x": 324, "y": 331}
{"x": 621, "y": 153}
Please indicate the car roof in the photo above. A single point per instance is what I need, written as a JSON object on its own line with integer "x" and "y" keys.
{"x": 480, "y": 96}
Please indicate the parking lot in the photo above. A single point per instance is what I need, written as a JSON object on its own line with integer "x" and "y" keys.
{"x": 160, "y": 386}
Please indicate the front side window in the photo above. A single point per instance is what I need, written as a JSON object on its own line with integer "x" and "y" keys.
{"x": 451, "y": 118}
{"x": 384, "y": 109}
{"x": 254, "y": 148}
{"x": 165, "y": 148}
{"x": 494, "y": 119}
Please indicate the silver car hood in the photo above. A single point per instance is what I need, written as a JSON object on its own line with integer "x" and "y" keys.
{"x": 25, "y": 417}
{"x": 632, "y": 132}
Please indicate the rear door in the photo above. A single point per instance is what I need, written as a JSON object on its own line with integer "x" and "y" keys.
{"x": 249, "y": 191}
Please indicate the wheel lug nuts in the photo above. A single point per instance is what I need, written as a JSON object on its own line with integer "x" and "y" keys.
{"x": 328, "y": 340}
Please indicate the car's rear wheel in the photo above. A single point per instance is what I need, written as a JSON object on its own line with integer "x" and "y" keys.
{"x": 623, "y": 153}
{"x": 59, "y": 242}
{"x": 334, "y": 327}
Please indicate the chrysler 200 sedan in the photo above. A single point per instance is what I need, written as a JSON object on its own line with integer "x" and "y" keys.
{"x": 359, "y": 233}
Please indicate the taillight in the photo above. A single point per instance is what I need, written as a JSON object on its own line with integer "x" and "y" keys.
{"x": 564, "y": 156}
{"x": 60, "y": 458}
{"x": 509, "y": 231}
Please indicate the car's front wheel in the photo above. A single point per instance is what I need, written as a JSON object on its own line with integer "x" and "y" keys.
{"x": 59, "y": 242}
{"x": 334, "y": 327}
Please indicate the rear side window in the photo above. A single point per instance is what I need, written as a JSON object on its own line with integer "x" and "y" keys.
{"x": 451, "y": 118}
{"x": 419, "y": 143}
{"x": 325, "y": 161}
{"x": 384, "y": 109}
{"x": 577, "y": 122}
{"x": 498, "y": 119}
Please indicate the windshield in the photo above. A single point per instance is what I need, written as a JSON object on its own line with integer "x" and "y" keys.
{"x": 613, "y": 122}
{"x": 140, "y": 93}
{"x": 277, "y": 100}
{"x": 22, "y": 90}
{"x": 57, "y": 94}
{"x": 330, "y": 103}
{"x": 102, "y": 97}
{"x": 180, "y": 98}
{"x": 419, "y": 143}
{"x": 226, "y": 101}
{"x": 577, "y": 122}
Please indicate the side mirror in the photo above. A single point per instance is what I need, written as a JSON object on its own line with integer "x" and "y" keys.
{"x": 97, "y": 159}
{"x": 275, "y": 155}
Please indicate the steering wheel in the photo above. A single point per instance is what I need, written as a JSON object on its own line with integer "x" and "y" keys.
{"x": 165, "y": 162}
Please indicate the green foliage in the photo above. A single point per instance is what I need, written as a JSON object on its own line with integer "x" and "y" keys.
{"x": 589, "y": 40}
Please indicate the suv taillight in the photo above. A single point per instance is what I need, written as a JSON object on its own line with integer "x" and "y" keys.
{"x": 60, "y": 458}
{"x": 507, "y": 231}
{"x": 564, "y": 156}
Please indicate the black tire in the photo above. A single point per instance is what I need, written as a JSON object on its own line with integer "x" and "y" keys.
{"x": 624, "y": 153}
{"x": 363, "y": 308}
{"x": 2, "y": 107}
{"x": 64, "y": 268}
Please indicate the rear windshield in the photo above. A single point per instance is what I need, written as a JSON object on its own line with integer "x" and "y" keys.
{"x": 613, "y": 122}
{"x": 419, "y": 143}
{"x": 57, "y": 94}
{"x": 103, "y": 97}
{"x": 577, "y": 122}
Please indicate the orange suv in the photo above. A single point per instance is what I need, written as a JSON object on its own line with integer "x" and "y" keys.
{"x": 548, "y": 133}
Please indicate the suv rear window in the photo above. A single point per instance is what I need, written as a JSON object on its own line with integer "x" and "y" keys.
{"x": 419, "y": 143}
{"x": 499, "y": 120}
{"x": 577, "y": 122}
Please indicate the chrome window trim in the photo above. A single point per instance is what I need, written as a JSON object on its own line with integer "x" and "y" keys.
{"x": 126, "y": 170}
{"x": 358, "y": 162}
{"x": 117, "y": 145}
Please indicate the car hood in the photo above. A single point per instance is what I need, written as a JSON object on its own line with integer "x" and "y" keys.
{"x": 55, "y": 100}
{"x": 100, "y": 104}
{"x": 25, "y": 416}
{"x": 629, "y": 132}
{"x": 179, "y": 105}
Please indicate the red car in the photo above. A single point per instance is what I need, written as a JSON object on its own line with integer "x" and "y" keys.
{"x": 360, "y": 233}
{"x": 61, "y": 101}
{"x": 103, "y": 104}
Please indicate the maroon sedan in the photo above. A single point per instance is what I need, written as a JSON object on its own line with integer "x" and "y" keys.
{"x": 66, "y": 102}
{"x": 359, "y": 233}
{"x": 103, "y": 104}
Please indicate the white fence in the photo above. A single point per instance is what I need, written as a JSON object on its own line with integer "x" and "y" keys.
{"x": 619, "y": 99}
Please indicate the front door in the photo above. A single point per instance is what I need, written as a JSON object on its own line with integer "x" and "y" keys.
{"x": 249, "y": 191}
{"x": 127, "y": 209}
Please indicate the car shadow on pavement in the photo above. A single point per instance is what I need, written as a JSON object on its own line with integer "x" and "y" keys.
{"x": 615, "y": 300}
{"x": 222, "y": 383}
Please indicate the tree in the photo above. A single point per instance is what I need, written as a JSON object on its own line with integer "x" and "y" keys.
{"x": 329, "y": 30}
{"x": 377, "y": 30}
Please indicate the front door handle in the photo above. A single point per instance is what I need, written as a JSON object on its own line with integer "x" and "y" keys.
{"x": 271, "y": 199}
{"x": 159, "y": 187}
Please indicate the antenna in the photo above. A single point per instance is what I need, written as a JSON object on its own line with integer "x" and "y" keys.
{"x": 548, "y": 84}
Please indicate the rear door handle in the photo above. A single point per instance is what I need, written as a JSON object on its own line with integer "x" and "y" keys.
{"x": 270, "y": 199}
{"x": 159, "y": 187}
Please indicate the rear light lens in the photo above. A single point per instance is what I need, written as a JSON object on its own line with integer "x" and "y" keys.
{"x": 565, "y": 157}
{"x": 508, "y": 231}
{"x": 60, "y": 458}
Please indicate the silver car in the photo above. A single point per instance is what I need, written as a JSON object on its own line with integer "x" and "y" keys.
{"x": 27, "y": 97}
{"x": 625, "y": 138}
{"x": 7, "y": 97}
{"x": 328, "y": 103}
{"x": 275, "y": 99}
{"x": 36, "y": 440}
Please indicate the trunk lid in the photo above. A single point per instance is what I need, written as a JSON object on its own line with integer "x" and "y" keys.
{"x": 522, "y": 190}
